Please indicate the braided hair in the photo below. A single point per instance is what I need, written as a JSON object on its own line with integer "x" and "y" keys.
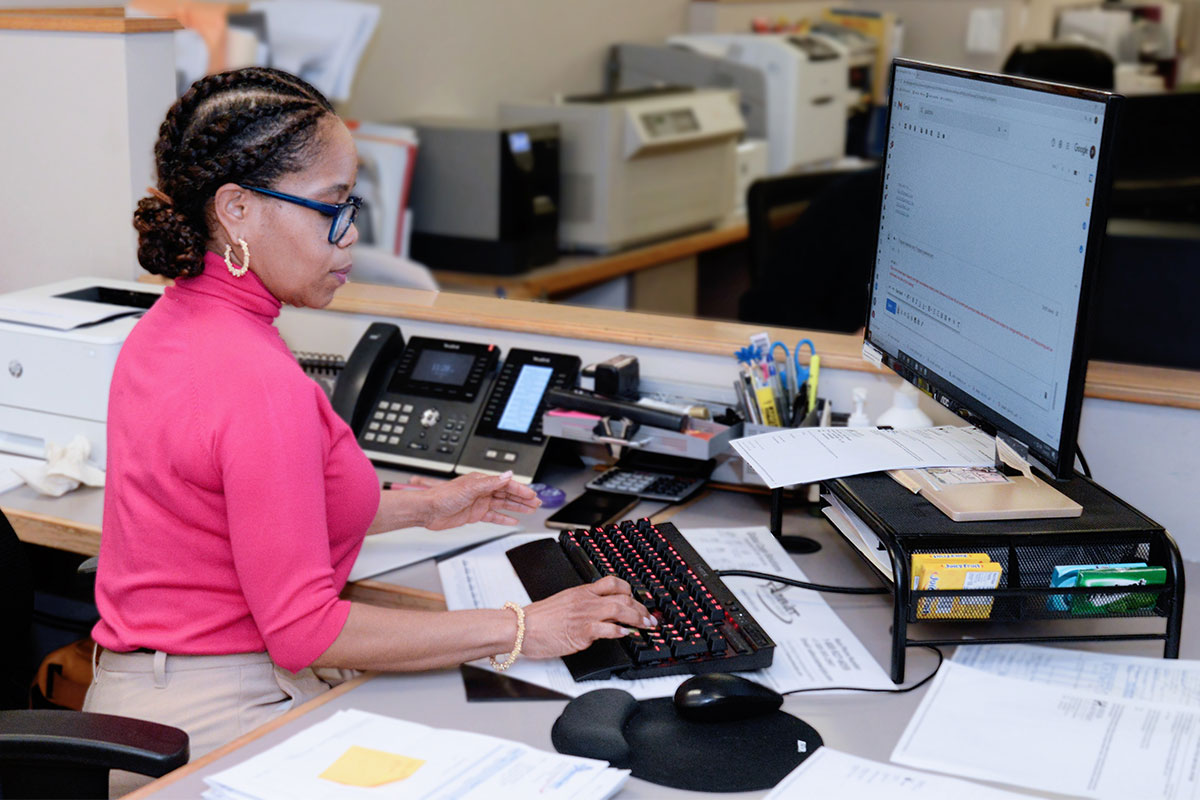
{"x": 247, "y": 126}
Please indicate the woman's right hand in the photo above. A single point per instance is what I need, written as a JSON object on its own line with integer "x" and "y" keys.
{"x": 571, "y": 620}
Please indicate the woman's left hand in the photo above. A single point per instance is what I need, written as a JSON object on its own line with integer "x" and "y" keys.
{"x": 477, "y": 498}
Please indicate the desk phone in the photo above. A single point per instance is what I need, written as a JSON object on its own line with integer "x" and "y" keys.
{"x": 424, "y": 414}
{"x": 508, "y": 434}
{"x": 417, "y": 405}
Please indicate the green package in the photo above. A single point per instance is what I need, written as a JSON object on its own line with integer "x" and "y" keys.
{"x": 1117, "y": 602}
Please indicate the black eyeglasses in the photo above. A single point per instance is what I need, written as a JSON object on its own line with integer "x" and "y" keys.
{"x": 343, "y": 214}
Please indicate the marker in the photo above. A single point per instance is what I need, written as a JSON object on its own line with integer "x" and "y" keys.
{"x": 814, "y": 372}
{"x": 396, "y": 486}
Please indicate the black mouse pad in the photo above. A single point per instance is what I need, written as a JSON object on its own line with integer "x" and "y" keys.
{"x": 736, "y": 756}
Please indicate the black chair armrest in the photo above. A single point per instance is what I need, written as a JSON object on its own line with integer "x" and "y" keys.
{"x": 102, "y": 741}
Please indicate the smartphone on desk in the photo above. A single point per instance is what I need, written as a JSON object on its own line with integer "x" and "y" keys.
{"x": 592, "y": 508}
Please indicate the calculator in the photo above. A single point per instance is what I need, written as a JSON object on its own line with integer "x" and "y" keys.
{"x": 650, "y": 485}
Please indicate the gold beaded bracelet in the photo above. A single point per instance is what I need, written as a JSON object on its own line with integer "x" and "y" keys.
{"x": 511, "y": 659}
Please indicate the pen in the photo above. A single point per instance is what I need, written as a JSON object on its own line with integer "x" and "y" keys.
{"x": 391, "y": 485}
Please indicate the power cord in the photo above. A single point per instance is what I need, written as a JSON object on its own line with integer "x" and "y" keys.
{"x": 1087, "y": 471}
{"x": 917, "y": 685}
{"x": 816, "y": 587}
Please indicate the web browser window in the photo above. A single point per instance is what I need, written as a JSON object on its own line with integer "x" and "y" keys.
{"x": 984, "y": 224}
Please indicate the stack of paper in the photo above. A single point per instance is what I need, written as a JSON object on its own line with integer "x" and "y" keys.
{"x": 807, "y": 455}
{"x": 1068, "y": 721}
{"x": 354, "y": 754}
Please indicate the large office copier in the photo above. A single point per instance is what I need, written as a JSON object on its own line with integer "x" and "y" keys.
{"x": 793, "y": 89}
{"x": 639, "y": 166}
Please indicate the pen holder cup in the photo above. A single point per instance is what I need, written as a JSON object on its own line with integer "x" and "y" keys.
{"x": 747, "y": 476}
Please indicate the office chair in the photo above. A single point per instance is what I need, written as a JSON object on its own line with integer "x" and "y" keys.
{"x": 60, "y": 754}
{"x": 1062, "y": 62}
{"x": 812, "y": 272}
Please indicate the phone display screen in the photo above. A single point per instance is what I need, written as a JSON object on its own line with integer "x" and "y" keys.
{"x": 525, "y": 398}
{"x": 439, "y": 366}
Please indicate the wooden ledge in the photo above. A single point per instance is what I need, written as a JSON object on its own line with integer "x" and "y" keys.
{"x": 1129, "y": 383}
{"x": 75, "y": 20}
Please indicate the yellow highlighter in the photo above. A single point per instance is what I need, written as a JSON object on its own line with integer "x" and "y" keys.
{"x": 814, "y": 370}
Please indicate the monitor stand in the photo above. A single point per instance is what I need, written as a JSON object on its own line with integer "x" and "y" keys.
{"x": 791, "y": 543}
{"x": 1021, "y": 496}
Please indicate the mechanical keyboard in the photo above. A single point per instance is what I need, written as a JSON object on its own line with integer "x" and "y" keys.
{"x": 702, "y": 626}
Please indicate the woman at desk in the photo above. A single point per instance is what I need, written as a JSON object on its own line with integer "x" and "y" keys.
{"x": 237, "y": 500}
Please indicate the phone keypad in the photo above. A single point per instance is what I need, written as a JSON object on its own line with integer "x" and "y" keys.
{"x": 390, "y": 419}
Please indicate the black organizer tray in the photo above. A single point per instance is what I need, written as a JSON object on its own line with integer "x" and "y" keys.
{"x": 1109, "y": 531}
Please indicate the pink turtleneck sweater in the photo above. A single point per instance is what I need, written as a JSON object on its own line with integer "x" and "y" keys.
{"x": 236, "y": 499}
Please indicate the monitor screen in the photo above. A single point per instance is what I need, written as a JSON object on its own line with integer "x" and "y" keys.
{"x": 991, "y": 218}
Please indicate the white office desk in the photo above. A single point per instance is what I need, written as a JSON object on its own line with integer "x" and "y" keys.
{"x": 868, "y": 725}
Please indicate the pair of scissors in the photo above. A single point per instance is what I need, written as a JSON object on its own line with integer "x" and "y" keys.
{"x": 800, "y": 374}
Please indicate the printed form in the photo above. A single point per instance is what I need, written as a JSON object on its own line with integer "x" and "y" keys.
{"x": 355, "y": 754}
{"x": 814, "y": 648}
{"x": 832, "y": 773}
{"x": 1074, "y": 722}
{"x": 806, "y": 455}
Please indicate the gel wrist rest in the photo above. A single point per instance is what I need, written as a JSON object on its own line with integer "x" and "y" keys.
{"x": 657, "y": 745}
{"x": 593, "y": 726}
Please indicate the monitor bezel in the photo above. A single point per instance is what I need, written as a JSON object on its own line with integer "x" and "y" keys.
{"x": 977, "y": 413}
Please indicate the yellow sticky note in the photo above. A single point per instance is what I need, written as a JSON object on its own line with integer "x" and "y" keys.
{"x": 362, "y": 766}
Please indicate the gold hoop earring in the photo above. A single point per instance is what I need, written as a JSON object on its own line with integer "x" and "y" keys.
{"x": 235, "y": 271}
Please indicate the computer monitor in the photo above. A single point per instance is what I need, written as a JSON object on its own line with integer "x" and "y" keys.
{"x": 993, "y": 212}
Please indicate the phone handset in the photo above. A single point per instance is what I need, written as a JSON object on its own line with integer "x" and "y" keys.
{"x": 366, "y": 370}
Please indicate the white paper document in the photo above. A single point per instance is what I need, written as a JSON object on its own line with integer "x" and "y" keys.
{"x": 807, "y": 455}
{"x": 1159, "y": 680}
{"x": 381, "y": 756}
{"x": 814, "y": 648}
{"x": 858, "y": 533}
{"x": 830, "y": 773}
{"x": 384, "y": 552}
{"x": 61, "y": 313}
{"x": 1053, "y": 737}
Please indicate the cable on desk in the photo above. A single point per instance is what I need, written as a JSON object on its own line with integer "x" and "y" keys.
{"x": 917, "y": 685}
{"x": 816, "y": 587}
{"x": 1087, "y": 471}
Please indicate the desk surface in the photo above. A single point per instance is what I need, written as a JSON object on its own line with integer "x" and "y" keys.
{"x": 868, "y": 725}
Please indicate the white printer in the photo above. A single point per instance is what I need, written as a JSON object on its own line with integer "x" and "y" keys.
{"x": 58, "y": 346}
{"x": 806, "y": 91}
{"x": 639, "y": 166}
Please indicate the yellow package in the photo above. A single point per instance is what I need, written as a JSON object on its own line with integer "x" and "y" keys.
{"x": 942, "y": 558}
{"x": 951, "y": 575}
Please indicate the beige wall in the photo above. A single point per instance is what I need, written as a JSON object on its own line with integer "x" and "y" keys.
{"x": 462, "y": 57}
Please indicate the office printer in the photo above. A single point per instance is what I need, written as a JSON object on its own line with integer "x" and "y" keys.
{"x": 806, "y": 81}
{"x": 639, "y": 166}
{"x": 59, "y": 344}
{"x": 485, "y": 195}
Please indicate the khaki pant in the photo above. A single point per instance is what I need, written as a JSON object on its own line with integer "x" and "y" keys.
{"x": 215, "y": 699}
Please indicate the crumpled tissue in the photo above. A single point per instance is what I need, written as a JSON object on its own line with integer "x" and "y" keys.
{"x": 65, "y": 469}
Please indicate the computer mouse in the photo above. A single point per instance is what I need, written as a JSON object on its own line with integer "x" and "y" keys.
{"x": 721, "y": 697}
